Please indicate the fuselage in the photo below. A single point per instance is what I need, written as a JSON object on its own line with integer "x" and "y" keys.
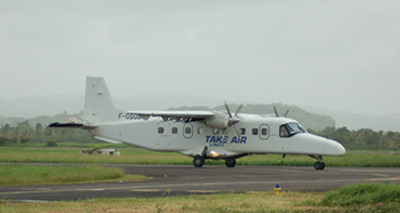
{"x": 254, "y": 134}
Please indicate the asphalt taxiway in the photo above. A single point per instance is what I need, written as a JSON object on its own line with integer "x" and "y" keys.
{"x": 166, "y": 180}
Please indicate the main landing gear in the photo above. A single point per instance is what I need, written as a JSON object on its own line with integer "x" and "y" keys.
{"x": 318, "y": 165}
{"x": 199, "y": 162}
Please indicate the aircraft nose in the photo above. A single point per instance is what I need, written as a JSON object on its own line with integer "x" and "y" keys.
{"x": 339, "y": 148}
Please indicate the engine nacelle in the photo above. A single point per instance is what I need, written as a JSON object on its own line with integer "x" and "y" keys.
{"x": 218, "y": 121}
{"x": 212, "y": 154}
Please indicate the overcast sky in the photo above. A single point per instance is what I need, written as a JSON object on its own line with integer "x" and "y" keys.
{"x": 341, "y": 55}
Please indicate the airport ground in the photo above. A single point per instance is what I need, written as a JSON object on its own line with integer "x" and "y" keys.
{"x": 208, "y": 189}
{"x": 180, "y": 181}
{"x": 183, "y": 180}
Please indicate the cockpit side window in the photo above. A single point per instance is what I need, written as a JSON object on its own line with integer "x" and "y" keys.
{"x": 283, "y": 131}
{"x": 290, "y": 129}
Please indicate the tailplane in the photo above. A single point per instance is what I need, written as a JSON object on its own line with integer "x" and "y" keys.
{"x": 99, "y": 106}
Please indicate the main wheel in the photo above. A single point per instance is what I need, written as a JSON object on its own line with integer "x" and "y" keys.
{"x": 319, "y": 165}
{"x": 230, "y": 162}
{"x": 198, "y": 161}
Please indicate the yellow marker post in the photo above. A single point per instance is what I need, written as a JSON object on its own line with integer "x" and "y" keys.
{"x": 277, "y": 189}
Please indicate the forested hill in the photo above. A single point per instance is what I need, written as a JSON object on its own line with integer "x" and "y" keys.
{"x": 308, "y": 120}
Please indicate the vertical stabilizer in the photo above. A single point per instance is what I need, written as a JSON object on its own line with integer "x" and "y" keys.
{"x": 98, "y": 103}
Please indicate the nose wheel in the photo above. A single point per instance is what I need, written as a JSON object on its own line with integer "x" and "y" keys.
{"x": 318, "y": 165}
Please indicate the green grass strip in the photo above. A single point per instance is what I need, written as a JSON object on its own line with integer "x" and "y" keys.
{"x": 37, "y": 155}
{"x": 35, "y": 175}
{"x": 267, "y": 201}
{"x": 363, "y": 194}
{"x": 365, "y": 197}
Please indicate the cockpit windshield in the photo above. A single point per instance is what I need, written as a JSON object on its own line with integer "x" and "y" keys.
{"x": 290, "y": 129}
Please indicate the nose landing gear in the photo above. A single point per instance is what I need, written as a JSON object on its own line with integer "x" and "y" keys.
{"x": 318, "y": 165}
{"x": 230, "y": 162}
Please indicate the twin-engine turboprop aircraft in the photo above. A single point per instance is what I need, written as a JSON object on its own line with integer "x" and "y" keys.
{"x": 199, "y": 134}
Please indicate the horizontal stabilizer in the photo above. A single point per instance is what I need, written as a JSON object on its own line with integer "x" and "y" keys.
{"x": 71, "y": 125}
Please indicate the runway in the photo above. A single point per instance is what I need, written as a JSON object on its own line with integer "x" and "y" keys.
{"x": 166, "y": 180}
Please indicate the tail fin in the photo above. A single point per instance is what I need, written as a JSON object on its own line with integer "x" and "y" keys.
{"x": 98, "y": 103}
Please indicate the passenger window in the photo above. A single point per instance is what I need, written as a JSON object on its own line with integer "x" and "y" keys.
{"x": 200, "y": 131}
{"x": 174, "y": 130}
{"x": 160, "y": 130}
{"x": 242, "y": 131}
{"x": 254, "y": 131}
{"x": 264, "y": 131}
{"x": 188, "y": 131}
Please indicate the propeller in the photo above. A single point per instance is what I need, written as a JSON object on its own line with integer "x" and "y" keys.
{"x": 232, "y": 120}
{"x": 277, "y": 115}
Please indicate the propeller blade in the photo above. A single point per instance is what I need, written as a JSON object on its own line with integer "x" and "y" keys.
{"x": 232, "y": 120}
{"x": 227, "y": 109}
{"x": 238, "y": 109}
{"x": 237, "y": 132}
{"x": 286, "y": 113}
{"x": 276, "y": 112}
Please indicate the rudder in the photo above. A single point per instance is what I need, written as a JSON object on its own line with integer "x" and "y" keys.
{"x": 99, "y": 106}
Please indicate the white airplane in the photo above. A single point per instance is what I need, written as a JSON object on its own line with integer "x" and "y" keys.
{"x": 199, "y": 134}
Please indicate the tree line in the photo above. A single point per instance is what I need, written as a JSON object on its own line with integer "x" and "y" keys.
{"x": 362, "y": 139}
{"x": 24, "y": 133}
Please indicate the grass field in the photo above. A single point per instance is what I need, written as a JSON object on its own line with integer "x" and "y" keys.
{"x": 69, "y": 145}
{"x": 46, "y": 155}
{"x": 34, "y": 175}
{"x": 356, "y": 198}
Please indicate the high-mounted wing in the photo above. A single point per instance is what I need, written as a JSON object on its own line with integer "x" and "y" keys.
{"x": 178, "y": 116}
{"x": 217, "y": 120}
